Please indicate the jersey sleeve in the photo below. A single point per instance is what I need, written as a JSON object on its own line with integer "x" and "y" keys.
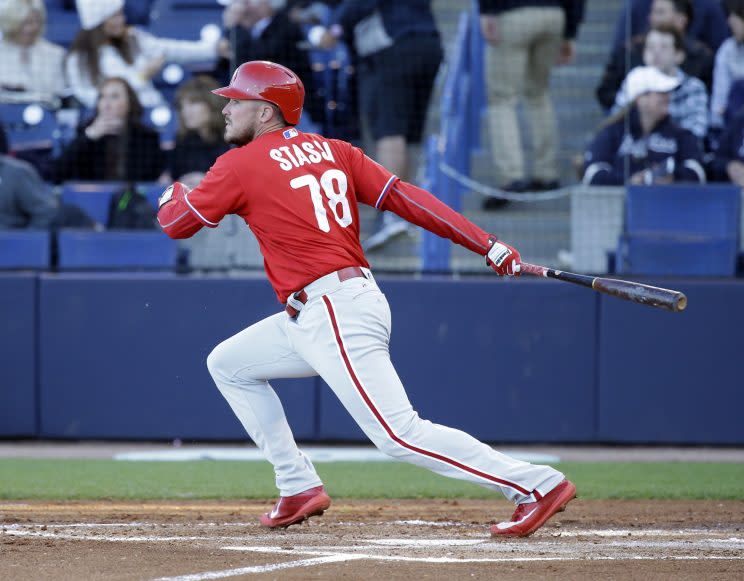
{"x": 377, "y": 187}
{"x": 424, "y": 209}
{"x": 217, "y": 195}
{"x": 372, "y": 182}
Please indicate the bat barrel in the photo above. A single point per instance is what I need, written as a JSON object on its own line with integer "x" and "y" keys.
{"x": 641, "y": 293}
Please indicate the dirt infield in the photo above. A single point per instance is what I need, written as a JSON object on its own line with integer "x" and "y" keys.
{"x": 425, "y": 539}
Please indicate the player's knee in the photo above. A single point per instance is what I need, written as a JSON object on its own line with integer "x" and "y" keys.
{"x": 216, "y": 362}
{"x": 388, "y": 446}
{"x": 226, "y": 369}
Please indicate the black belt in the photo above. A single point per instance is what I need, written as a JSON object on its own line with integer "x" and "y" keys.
{"x": 343, "y": 274}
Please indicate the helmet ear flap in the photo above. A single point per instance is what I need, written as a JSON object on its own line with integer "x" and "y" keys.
{"x": 267, "y": 81}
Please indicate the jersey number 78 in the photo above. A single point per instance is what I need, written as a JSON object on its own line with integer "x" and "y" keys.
{"x": 334, "y": 184}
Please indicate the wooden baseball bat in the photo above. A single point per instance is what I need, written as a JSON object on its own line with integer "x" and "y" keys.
{"x": 644, "y": 294}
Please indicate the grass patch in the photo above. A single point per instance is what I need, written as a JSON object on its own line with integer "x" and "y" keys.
{"x": 94, "y": 479}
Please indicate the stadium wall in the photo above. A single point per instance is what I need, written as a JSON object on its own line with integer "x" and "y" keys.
{"x": 90, "y": 356}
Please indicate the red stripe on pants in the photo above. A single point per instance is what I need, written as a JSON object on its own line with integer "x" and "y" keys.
{"x": 385, "y": 425}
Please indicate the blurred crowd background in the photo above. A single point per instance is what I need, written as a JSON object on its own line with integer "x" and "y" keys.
{"x": 597, "y": 136}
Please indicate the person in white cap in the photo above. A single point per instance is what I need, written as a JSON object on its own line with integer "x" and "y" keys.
{"x": 664, "y": 49}
{"x": 641, "y": 144}
{"x": 107, "y": 47}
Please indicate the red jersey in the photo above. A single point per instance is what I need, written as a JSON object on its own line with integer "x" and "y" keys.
{"x": 299, "y": 194}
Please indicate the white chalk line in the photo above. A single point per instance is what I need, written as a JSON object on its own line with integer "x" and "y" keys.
{"x": 734, "y": 543}
{"x": 133, "y": 524}
{"x": 425, "y": 523}
{"x": 319, "y": 555}
{"x": 111, "y": 538}
{"x": 426, "y": 542}
{"x": 260, "y": 568}
{"x": 128, "y": 539}
{"x": 335, "y": 557}
{"x": 501, "y": 546}
{"x": 634, "y": 532}
{"x": 421, "y": 523}
{"x": 605, "y": 533}
{"x": 515, "y": 559}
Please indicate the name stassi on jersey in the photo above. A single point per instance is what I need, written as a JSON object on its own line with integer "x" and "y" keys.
{"x": 297, "y": 155}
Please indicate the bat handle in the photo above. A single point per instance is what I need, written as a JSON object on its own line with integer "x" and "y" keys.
{"x": 534, "y": 269}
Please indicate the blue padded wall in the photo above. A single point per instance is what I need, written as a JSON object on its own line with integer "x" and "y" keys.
{"x": 494, "y": 358}
{"x": 115, "y": 249}
{"x": 125, "y": 356}
{"x": 674, "y": 377}
{"x": 18, "y": 355}
{"x": 24, "y": 249}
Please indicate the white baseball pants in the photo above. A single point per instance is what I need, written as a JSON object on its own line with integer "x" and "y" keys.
{"x": 342, "y": 334}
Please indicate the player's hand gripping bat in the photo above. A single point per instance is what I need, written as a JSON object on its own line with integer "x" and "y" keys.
{"x": 652, "y": 296}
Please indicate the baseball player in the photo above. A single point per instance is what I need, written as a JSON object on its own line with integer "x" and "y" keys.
{"x": 299, "y": 194}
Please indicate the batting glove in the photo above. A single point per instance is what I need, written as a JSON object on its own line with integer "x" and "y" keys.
{"x": 504, "y": 259}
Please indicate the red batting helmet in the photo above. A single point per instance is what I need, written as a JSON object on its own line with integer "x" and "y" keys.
{"x": 267, "y": 81}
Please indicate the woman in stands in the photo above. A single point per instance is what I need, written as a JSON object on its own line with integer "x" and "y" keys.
{"x": 31, "y": 65}
{"x": 107, "y": 47}
{"x": 114, "y": 145}
{"x": 199, "y": 139}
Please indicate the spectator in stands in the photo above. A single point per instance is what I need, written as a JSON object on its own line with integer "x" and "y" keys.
{"x": 729, "y": 65}
{"x": 727, "y": 164}
{"x": 664, "y": 49}
{"x": 201, "y": 124}
{"x": 263, "y": 30}
{"x": 107, "y": 47}
{"x": 647, "y": 147}
{"x": 25, "y": 200}
{"x": 708, "y": 24}
{"x": 31, "y": 69}
{"x": 399, "y": 50}
{"x": 523, "y": 39}
{"x": 114, "y": 145}
{"x": 698, "y": 60}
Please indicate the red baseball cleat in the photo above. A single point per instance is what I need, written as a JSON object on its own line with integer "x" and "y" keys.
{"x": 290, "y": 510}
{"x": 530, "y": 516}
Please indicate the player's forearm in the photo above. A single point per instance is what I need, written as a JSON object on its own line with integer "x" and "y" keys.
{"x": 177, "y": 220}
{"x": 423, "y": 209}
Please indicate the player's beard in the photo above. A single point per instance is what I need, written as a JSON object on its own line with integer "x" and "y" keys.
{"x": 239, "y": 139}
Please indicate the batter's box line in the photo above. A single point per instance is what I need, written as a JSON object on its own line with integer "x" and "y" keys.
{"x": 447, "y": 560}
{"x": 257, "y": 569}
{"x": 639, "y": 532}
{"x": 324, "y": 558}
{"x": 134, "y": 524}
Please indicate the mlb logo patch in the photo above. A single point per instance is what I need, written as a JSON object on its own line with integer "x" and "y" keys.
{"x": 290, "y": 133}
